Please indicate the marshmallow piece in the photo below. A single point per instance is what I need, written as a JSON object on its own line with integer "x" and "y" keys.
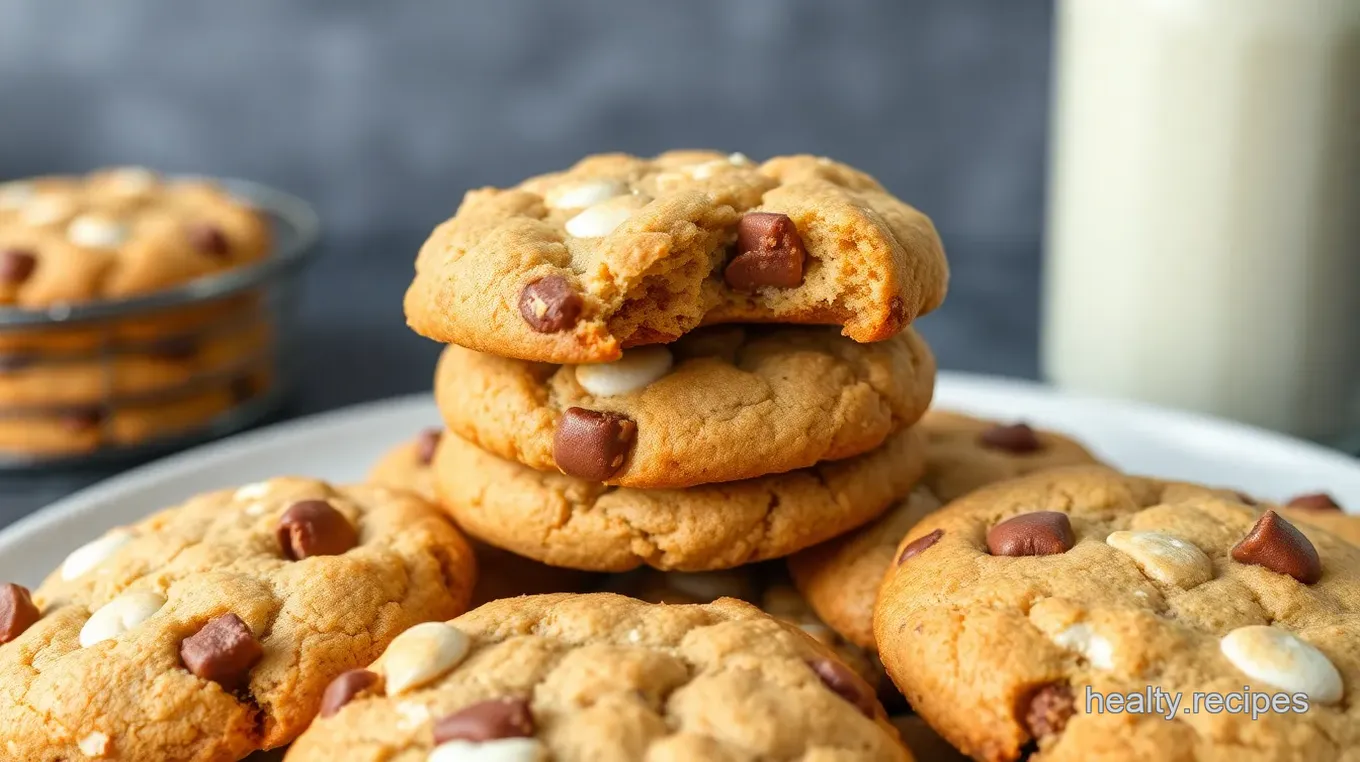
{"x": 96, "y": 232}
{"x": 583, "y": 194}
{"x": 1283, "y": 660}
{"x": 1085, "y": 641}
{"x": 15, "y": 195}
{"x": 601, "y": 219}
{"x": 632, "y": 372}
{"x": 1165, "y": 558}
{"x": 500, "y": 750}
{"x": 422, "y": 655}
{"x": 93, "y": 553}
{"x": 118, "y": 616}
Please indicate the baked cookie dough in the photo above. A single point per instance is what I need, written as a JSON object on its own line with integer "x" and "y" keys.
{"x": 621, "y": 251}
{"x": 1005, "y": 608}
{"x": 765, "y": 586}
{"x": 964, "y": 453}
{"x": 577, "y": 678}
{"x": 719, "y": 405}
{"x": 500, "y": 573}
{"x": 211, "y": 630}
{"x": 565, "y": 521}
{"x": 840, "y": 578}
{"x": 118, "y": 233}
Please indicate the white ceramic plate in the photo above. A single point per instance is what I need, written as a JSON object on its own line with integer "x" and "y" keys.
{"x": 341, "y": 445}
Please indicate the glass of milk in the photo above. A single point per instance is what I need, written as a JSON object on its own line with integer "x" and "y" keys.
{"x": 1203, "y": 241}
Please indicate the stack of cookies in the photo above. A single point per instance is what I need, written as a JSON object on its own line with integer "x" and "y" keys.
{"x": 69, "y": 386}
{"x": 692, "y": 362}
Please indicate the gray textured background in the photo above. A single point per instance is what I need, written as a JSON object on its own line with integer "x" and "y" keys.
{"x": 383, "y": 113}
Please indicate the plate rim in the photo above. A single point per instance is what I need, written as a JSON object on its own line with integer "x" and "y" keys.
{"x": 953, "y": 383}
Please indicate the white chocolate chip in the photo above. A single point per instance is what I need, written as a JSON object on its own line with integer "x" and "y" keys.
{"x": 132, "y": 181}
{"x": 47, "y": 210}
{"x": 421, "y": 655}
{"x": 583, "y": 194}
{"x": 706, "y": 170}
{"x": 253, "y": 491}
{"x": 411, "y": 715}
{"x": 634, "y": 636}
{"x": 94, "y": 744}
{"x": 671, "y": 180}
{"x": 1083, "y": 640}
{"x": 635, "y": 370}
{"x": 15, "y": 195}
{"x": 93, "y": 553}
{"x": 1283, "y": 660}
{"x": 500, "y": 750}
{"x": 96, "y": 232}
{"x": 118, "y": 616}
{"x": 1165, "y": 558}
{"x": 602, "y": 218}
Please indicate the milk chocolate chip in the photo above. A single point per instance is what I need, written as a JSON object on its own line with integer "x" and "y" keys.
{"x": 1318, "y": 501}
{"x": 427, "y": 444}
{"x": 209, "y": 239}
{"x": 1041, "y": 533}
{"x": 17, "y": 612}
{"x": 487, "y": 721}
{"x": 1017, "y": 438}
{"x": 82, "y": 419}
{"x": 591, "y": 444}
{"x": 919, "y": 544}
{"x": 16, "y": 266}
{"x": 848, "y": 685}
{"x": 1280, "y": 547}
{"x": 769, "y": 253}
{"x": 224, "y": 651}
{"x": 344, "y": 688}
{"x": 1049, "y": 710}
{"x": 550, "y": 304}
{"x": 314, "y": 528}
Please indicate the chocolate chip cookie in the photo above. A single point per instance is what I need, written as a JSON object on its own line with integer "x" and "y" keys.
{"x": 211, "y": 630}
{"x": 1011, "y": 614}
{"x": 582, "y": 524}
{"x": 500, "y": 573}
{"x": 965, "y": 453}
{"x": 77, "y": 429}
{"x": 155, "y": 367}
{"x": 719, "y": 405}
{"x": 118, "y": 233}
{"x": 840, "y": 578}
{"x": 602, "y": 677}
{"x": 621, "y": 251}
